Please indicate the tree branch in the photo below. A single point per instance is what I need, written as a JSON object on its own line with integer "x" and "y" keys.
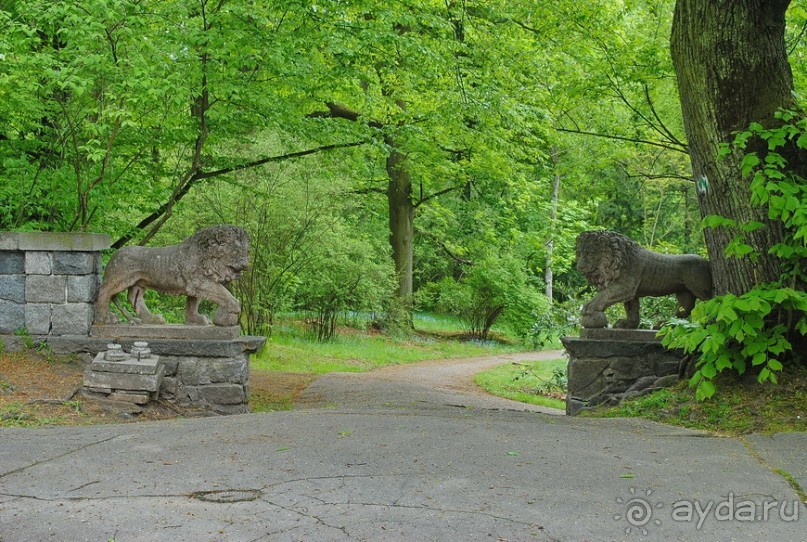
{"x": 451, "y": 254}
{"x": 439, "y": 193}
{"x": 630, "y": 139}
{"x": 201, "y": 175}
{"x": 660, "y": 176}
{"x": 206, "y": 175}
{"x": 339, "y": 111}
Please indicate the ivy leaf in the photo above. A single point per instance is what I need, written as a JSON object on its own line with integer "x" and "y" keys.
{"x": 706, "y": 389}
{"x": 714, "y": 221}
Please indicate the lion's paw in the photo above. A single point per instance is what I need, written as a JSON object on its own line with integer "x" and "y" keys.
{"x": 225, "y": 318}
{"x": 594, "y": 320}
{"x": 198, "y": 320}
{"x": 152, "y": 319}
{"x": 106, "y": 319}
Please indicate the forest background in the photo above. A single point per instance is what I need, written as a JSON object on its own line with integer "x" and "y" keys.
{"x": 385, "y": 157}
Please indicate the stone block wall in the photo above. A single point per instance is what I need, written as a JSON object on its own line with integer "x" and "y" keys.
{"x": 49, "y": 281}
{"x": 209, "y": 374}
{"x": 607, "y": 366}
{"x": 220, "y": 384}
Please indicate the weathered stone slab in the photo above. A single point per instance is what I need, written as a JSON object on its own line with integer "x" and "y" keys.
{"x": 12, "y": 288}
{"x": 81, "y": 242}
{"x": 192, "y": 373}
{"x": 166, "y": 331}
{"x": 229, "y": 370}
{"x": 45, "y": 288}
{"x": 70, "y": 344}
{"x": 103, "y": 391}
{"x": 71, "y": 318}
{"x": 38, "y": 318}
{"x": 223, "y": 394}
{"x": 148, "y": 366}
{"x": 130, "y": 397}
{"x": 12, "y": 316}
{"x": 82, "y": 288}
{"x": 615, "y": 334}
{"x": 75, "y": 263}
{"x": 123, "y": 381}
{"x": 12, "y": 262}
{"x": 168, "y": 388}
{"x": 38, "y": 263}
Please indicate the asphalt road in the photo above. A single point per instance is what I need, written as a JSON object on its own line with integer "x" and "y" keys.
{"x": 401, "y": 454}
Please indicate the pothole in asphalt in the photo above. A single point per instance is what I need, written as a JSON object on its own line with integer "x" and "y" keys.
{"x": 228, "y": 495}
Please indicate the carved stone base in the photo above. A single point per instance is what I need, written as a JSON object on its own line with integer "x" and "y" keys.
{"x": 130, "y": 379}
{"x": 165, "y": 331}
{"x": 202, "y": 372}
{"x": 607, "y": 366}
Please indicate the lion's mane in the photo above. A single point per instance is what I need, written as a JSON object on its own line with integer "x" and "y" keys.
{"x": 602, "y": 256}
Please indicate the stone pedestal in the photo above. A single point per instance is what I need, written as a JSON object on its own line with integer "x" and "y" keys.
{"x": 193, "y": 370}
{"x": 124, "y": 377}
{"x": 609, "y": 365}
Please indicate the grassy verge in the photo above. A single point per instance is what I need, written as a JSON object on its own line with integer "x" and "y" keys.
{"x": 736, "y": 409}
{"x": 290, "y": 351}
{"x": 526, "y": 382}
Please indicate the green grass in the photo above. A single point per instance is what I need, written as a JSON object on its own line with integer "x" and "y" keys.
{"x": 17, "y": 415}
{"x": 523, "y": 381}
{"x": 736, "y": 409}
{"x": 289, "y": 350}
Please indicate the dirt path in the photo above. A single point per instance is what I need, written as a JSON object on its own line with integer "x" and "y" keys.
{"x": 35, "y": 390}
{"x": 434, "y": 382}
{"x": 454, "y": 374}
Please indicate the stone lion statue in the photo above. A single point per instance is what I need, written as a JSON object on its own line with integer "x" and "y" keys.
{"x": 199, "y": 268}
{"x": 623, "y": 272}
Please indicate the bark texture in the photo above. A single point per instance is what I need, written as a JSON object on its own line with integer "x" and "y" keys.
{"x": 401, "y": 222}
{"x": 732, "y": 69}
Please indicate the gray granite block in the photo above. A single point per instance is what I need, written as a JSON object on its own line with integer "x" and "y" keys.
{"x": 12, "y": 316}
{"x": 123, "y": 381}
{"x": 12, "y": 262}
{"x": 82, "y": 288}
{"x": 72, "y": 319}
{"x": 223, "y": 394}
{"x": 38, "y": 263}
{"x": 12, "y": 288}
{"x": 74, "y": 263}
{"x": 37, "y": 318}
{"x": 72, "y": 241}
{"x": 45, "y": 288}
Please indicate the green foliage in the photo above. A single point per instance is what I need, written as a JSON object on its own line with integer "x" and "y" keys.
{"x": 347, "y": 275}
{"x": 114, "y": 110}
{"x": 737, "y": 409}
{"x": 493, "y": 288}
{"x": 291, "y": 349}
{"x": 757, "y": 330}
{"x": 550, "y": 325}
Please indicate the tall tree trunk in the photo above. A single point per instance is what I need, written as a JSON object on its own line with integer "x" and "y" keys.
{"x": 732, "y": 69}
{"x": 401, "y": 222}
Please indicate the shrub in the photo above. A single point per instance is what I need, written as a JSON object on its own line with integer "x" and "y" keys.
{"x": 493, "y": 288}
{"x": 757, "y": 330}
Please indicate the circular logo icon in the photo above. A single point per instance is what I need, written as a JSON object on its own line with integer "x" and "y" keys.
{"x": 638, "y": 511}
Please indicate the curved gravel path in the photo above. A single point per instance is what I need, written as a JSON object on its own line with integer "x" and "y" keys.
{"x": 428, "y": 383}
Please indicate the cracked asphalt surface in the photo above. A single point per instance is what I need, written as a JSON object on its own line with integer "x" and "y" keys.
{"x": 407, "y": 453}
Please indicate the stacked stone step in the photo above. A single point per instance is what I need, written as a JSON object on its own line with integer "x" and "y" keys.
{"x": 135, "y": 376}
